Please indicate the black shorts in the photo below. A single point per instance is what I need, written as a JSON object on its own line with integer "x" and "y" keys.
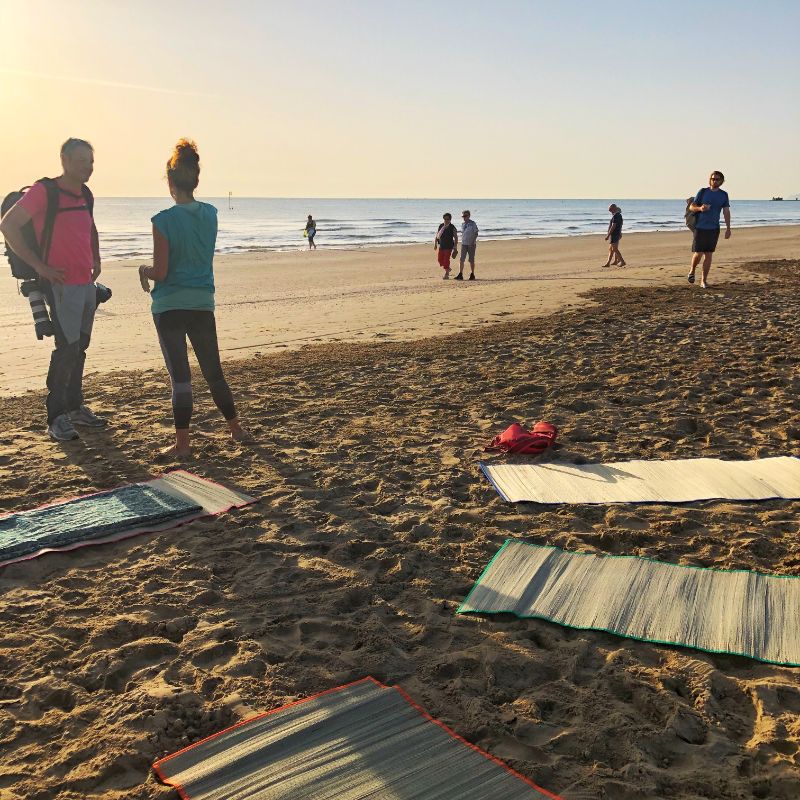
{"x": 615, "y": 239}
{"x": 705, "y": 241}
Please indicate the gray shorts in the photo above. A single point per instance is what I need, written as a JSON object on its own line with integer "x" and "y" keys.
{"x": 468, "y": 250}
{"x": 72, "y": 309}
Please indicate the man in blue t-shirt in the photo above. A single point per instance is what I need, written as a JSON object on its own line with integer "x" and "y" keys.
{"x": 708, "y": 202}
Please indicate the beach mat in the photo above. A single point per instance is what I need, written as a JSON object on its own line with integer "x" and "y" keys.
{"x": 166, "y": 502}
{"x": 362, "y": 740}
{"x": 720, "y": 611}
{"x": 676, "y": 481}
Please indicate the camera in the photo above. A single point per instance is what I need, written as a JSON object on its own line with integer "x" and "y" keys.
{"x": 102, "y": 293}
{"x": 41, "y": 317}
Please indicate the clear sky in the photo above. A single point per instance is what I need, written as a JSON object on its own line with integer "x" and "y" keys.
{"x": 348, "y": 98}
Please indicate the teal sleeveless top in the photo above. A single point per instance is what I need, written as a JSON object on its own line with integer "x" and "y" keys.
{"x": 191, "y": 230}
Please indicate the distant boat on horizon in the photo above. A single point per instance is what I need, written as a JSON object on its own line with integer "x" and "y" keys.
{"x": 777, "y": 198}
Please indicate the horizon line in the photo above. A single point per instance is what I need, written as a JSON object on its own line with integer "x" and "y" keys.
{"x": 789, "y": 198}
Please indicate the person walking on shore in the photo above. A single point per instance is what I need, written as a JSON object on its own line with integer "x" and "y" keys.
{"x": 469, "y": 242}
{"x": 311, "y": 232}
{"x": 708, "y": 203}
{"x": 67, "y": 269}
{"x": 184, "y": 237}
{"x": 613, "y": 236}
{"x": 447, "y": 241}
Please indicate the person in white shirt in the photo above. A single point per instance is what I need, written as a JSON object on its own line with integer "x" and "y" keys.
{"x": 469, "y": 240}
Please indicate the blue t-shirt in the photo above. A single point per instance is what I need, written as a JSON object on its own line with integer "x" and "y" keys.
{"x": 191, "y": 230}
{"x": 709, "y": 220}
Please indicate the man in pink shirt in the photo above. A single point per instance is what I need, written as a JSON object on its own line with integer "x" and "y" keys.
{"x": 67, "y": 268}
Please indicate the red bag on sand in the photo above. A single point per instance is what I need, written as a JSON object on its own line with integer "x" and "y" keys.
{"x": 515, "y": 439}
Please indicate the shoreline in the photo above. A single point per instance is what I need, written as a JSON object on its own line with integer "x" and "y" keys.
{"x": 484, "y": 240}
{"x": 271, "y": 301}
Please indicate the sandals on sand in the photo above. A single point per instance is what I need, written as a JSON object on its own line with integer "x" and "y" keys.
{"x": 690, "y": 277}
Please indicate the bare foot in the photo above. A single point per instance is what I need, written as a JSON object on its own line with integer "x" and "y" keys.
{"x": 240, "y": 434}
{"x": 621, "y": 264}
{"x": 606, "y": 265}
{"x": 173, "y": 454}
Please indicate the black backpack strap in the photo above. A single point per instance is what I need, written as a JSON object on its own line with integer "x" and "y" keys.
{"x": 89, "y": 198}
{"x": 53, "y": 190}
{"x": 51, "y": 187}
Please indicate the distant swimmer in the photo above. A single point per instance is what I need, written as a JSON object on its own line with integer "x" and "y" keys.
{"x": 184, "y": 237}
{"x": 613, "y": 236}
{"x": 446, "y": 241}
{"x": 708, "y": 202}
{"x": 469, "y": 243}
{"x": 311, "y": 232}
{"x": 65, "y": 274}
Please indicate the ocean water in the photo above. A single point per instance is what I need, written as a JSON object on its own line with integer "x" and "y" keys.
{"x": 251, "y": 223}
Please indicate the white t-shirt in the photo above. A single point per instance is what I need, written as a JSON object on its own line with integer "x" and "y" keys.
{"x": 469, "y": 232}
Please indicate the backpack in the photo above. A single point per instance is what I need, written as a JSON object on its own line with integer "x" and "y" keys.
{"x": 515, "y": 439}
{"x": 19, "y": 269}
{"x": 691, "y": 216}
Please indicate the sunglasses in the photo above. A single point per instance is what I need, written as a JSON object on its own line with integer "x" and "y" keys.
{"x": 716, "y": 178}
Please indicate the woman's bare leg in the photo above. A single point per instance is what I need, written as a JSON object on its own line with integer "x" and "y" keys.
{"x": 180, "y": 450}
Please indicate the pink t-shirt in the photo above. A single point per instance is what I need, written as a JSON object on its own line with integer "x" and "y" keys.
{"x": 71, "y": 243}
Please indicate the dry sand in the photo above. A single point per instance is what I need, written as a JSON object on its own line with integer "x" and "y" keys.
{"x": 374, "y": 523}
{"x": 271, "y": 301}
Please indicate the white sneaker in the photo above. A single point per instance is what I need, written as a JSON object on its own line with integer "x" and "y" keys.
{"x": 83, "y": 416}
{"x": 61, "y": 429}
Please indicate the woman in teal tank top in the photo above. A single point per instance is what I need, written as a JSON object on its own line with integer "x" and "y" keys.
{"x": 184, "y": 238}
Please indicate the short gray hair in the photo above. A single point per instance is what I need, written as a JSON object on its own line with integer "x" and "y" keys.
{"x": 71, "y": 144}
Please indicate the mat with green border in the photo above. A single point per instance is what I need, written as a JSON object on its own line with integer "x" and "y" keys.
{"x": 732, "y": 612}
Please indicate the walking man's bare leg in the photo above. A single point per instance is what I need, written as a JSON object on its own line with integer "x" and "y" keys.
{"x": 706, "y": 268}
{"x": 695, "y": 261}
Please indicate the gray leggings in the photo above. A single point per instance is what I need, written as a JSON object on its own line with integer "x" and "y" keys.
{"x": 201, "y": 329}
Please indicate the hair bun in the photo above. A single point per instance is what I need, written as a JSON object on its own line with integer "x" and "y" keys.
{"x": 183, "y": 167}
{"x": 186, "y": 152}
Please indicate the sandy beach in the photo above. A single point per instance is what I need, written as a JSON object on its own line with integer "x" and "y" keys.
{"x": 271, "y": 301}
{"x": 374, "y": 520}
